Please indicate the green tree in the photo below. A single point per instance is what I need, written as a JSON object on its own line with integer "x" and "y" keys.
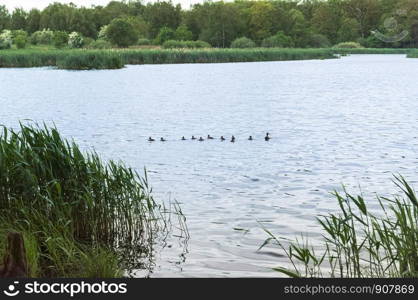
{"x": 162, "y": 14}
{"x": 33, "y": 20}
{"x": 243, "y": 42}
{"x": 280, "y": 39}
{"x": 121, "y": 33}
{"x": 18, "y": 19}
{"x": 4, "y": 18}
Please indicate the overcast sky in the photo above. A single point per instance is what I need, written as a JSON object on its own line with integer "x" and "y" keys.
{"x": 28, "y": 4}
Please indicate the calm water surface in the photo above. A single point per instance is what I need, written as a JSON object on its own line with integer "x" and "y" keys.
{"x": 351, "y": 121}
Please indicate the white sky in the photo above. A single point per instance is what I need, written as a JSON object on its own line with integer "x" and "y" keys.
{"x": 28, "y": 4}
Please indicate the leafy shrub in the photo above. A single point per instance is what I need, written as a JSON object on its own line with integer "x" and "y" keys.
{"x": 143, "y": 42}
{"x": 60, "y": 39}
{"x": 100, "y": 44}
{"x": 349, "y": 45}
{"x": 279, "y": 40}
{"x": 121, "y": 33}
{"x": 318, "y": 41}
{"x": 75, "y": 40}
{"x": 42, "y": 37}
{"x": 182, "y": 33}
{"x": 164, "y": 35}
{"x": 20, "y": 38}
{"x": 6, "y": 39}
{"x": 103, "y": 33}
{"x": 243, "y": 42}
{"x": 185, "y": 44}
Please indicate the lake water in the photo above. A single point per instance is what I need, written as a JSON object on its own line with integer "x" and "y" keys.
{"x": 351, "y": 121}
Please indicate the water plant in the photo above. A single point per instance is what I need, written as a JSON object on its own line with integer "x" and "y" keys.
{"x": 413, "y": 54}
{"x": 358, "y": 242}
{"x": 86, "y": 60}
{"x": 73, "y": 209}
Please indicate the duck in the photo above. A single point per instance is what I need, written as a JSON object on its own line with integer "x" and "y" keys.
{"x": 150, "y": 139}
{"x": 222, "y": 138}
{"x": 209, "y": 137}
{"x": 233, "y": 139}
{"x": 193, "y": 137}
{"x": 267, "y": 138}
{"x": 183, "y": 138}
{"x": 162, "y": 140}
{"x": 201, "y": 139}
{"x": 250, "y": 138}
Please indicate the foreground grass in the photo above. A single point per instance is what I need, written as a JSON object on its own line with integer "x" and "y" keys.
{"x": 80, "y": 216}
{"x": 360, "y": 243}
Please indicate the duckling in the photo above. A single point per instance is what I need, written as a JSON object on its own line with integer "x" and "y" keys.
{"x": 233, "y": 139}
{"x": 193, "y": 137}
{"x": 222, "y": 138}
{"x": 209, "y": 137}
{"x": 201, "y": 139}
{"x": 150, "y": 139}
{"x": 250, "y": 138}
{"x": 183, "y": 138}
{"x": 162, "y": 140}
{"x": 267, "y": 138}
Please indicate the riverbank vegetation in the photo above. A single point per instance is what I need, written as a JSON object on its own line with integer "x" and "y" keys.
{"x": 413, "y": 54}
{"x": 298, "y": 24}
{"x": 117, "y": 58}
{"x": 359, "y": 242}
{"x": 79, "y": 216}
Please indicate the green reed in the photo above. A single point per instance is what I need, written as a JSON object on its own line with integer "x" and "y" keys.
{"x": 358, "y": 242}
{"x": 71, "y": 204}
{"x": 413, "y": 54}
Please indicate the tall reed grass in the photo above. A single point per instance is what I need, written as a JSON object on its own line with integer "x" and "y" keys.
{"x": 413, "y": 54}
{"x": 72, "y": 206}
{"x": 358, "y": 242}
{"x": 99, "y": 59}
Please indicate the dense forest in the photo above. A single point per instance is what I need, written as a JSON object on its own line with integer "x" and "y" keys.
{"x": 309, "y": 23}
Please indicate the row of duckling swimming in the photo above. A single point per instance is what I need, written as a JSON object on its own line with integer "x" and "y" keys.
{"x": 201, "y": 139}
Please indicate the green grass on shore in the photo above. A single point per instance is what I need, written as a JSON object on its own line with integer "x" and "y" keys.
{"x": 413, "y": 54}
{"x": 85, "y": 59}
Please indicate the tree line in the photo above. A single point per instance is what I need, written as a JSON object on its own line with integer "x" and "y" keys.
{"x": 282, "y": 23}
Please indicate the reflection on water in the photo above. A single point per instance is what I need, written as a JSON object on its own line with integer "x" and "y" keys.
{"x": 351, "y": 121}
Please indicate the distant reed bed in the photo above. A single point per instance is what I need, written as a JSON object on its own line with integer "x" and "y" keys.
{"x": 75, "y": 210}
{"x": 358, "y": 242}
{"x": 112, "y": 59}
{"x": 413, "y": 54}
{"x": 371, "y": 50}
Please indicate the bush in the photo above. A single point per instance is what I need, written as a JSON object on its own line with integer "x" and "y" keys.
{"x": 60, "y": 39}
{"x": 103, "y": 33}
{"x": 143, "y": 42}
{"x": 164, "y": 35}
{"x": 318, "y": 41}
{"x": 182, "y": 33}
{"x": 20, "y": 42}
{"x": 75, "y": 40}
{"x": 121, "y": 33}
{"x": 349, "y": 45}
{"x": 100, "y": 44}
{"x": 6, "y": 39}
{"x": 185, "y": 44}
{"x": 42, "y": 37}
{"x": 279, "y": 40}
{"x": 243, "y": 42}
